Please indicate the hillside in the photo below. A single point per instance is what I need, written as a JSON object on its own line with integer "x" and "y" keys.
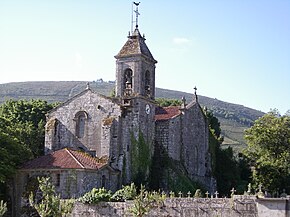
{"x": 234, "y": 118}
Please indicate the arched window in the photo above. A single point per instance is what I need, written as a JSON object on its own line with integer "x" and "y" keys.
{"x": 80, "y": 119}
{"x": 127, "y": 81}
{"x": 147, "y": 83}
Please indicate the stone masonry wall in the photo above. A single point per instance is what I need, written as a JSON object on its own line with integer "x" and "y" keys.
{"x": 177, "y": 207}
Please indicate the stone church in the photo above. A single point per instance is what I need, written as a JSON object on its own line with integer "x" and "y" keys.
{"x": 94, "y": 141}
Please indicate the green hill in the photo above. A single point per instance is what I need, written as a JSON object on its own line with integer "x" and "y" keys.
{"x": 234, "y": 118}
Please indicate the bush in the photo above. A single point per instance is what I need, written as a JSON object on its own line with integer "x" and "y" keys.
{"x": 96, "y": 195}
{"x": 127, "y": 192}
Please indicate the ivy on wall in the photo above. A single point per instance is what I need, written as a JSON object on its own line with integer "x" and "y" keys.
{"x": 166, "y": 173}
{"x": 140, "y": 159}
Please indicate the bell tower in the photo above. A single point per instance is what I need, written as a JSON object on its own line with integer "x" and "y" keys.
{"x": 135, "y": 67}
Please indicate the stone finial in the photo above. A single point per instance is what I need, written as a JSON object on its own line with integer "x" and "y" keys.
{"x": 283, "y": 195}
{"x": 183, "y": 102}
{"x": 260, "y": 193}
{"x": 249, "y": 188}
{"x": 171, "y": 194}
{"x": 197, "y": 193}
{"x": 88, "y": 86}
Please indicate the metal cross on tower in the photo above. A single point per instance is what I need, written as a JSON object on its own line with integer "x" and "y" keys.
{"x": 136, "y": 15}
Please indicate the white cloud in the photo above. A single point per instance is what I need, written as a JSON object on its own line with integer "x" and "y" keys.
{"x": 181, "y": 41}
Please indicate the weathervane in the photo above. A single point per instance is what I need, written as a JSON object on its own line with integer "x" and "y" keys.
{"x": 195, "y": 89}
{"x": 195, "y": 95}
{"x": 136, "y": 15}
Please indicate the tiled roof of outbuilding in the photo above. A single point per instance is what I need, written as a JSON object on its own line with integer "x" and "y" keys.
{"x": 64, "y": 159}
{"x": 135, "y": 45}
{"x": 165, "y": 113}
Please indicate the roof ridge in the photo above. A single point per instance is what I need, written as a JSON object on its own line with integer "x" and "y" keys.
{"x": 72, "y": 155}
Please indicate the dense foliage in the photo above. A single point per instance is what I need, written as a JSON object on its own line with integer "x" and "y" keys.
{"x": 140, "y": 159}
{"x": 21, "y": 135}
{"x": 26, "y": 121}
{"x": 167, "y": 102}
{"x": 269, "y": 151}
{"x": 229, "y": 170}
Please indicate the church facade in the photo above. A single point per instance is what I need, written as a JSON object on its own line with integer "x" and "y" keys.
{"x": 94, "y": 141}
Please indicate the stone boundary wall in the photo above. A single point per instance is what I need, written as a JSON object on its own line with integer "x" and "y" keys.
{"x": 237, "y": 206}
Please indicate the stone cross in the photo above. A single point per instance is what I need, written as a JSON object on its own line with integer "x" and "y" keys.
{"x": 180, "y": 194}
{"x": 233, "y": 192}
{"x": 206, "y": 194}
{"x": 171, "y": 193}
{"x": 188, "y": 194}
{"x": 249, "y": 188}
{"x": 216, "y": 194}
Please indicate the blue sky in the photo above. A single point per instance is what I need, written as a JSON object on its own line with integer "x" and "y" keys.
{"x": 236, "y": 51}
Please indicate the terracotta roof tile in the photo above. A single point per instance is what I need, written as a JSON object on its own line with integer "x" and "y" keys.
{"x": 165, "y": 113}
{"x": 64, "y": 159}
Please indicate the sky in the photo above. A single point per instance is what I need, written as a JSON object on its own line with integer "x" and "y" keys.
{"x": 236, "y": 51}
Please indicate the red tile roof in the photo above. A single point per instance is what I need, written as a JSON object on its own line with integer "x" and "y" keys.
{"x": 165, "y": 113}
{"x": 64, "y": 159}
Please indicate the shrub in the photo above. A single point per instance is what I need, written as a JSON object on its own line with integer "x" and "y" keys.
{"x": 127, "y": 192}
{"x": 96, "y": 195}
{"x": 50, "y": 205}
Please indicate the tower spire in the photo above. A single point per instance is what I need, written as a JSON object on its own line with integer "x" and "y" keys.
{"x": 136, "y": 4}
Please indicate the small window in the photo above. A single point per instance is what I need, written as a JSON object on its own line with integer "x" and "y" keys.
{"x": 80, "y": 119}
{"x": 57, "y": 180}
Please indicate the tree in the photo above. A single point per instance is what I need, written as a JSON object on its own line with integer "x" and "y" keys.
{"x": 12, "y": 153}
{"x": 50, "y": 205}
{"x": 163, "y": 102}
{"x": 269, "y": 151}
{"x": 213, "y": 122}
{"x": 26, "y": 122}
{"x": 21, "y": 135}
{"x": 228, "y": 170}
